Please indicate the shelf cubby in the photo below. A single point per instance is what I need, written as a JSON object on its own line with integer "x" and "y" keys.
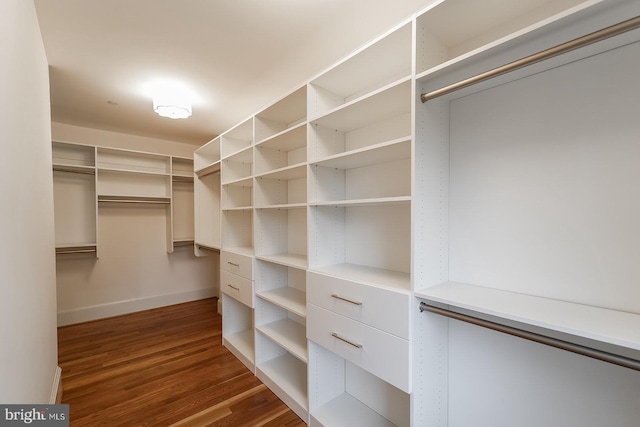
{"x": 237, "y": 230}
{"x": 343, "y": 240}
{"x": 69, "y": 154}
{"x": 182, "y": 167}
{"x": 238, "y": 194}
{"x": 286, "y": 149}
{"x": 282, "y": 286}
{"x": 281, "y": 236}
{"x": 381, "y": 63}
{"x": 237, "y": 139}
{"x": 238, "y": 167}
{"x": 344, "y": 394}
{"x": 282, "y": 327}
{"x": 282, "y": 115}
{"x": 287, "y": 186}
{"x": 238, "y": 331}
{"x": 379, "y": 172}
{"x": 376, "y": 118}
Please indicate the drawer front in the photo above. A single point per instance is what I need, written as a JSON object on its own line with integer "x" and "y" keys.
{"x": 237, "y": 287}
{"x": 380, "y": 353}
{"x": 381, "y": 308}
{"x": 241, "y": 265}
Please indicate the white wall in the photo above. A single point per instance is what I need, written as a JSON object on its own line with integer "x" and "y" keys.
{"x": 134, "y": 271}
{"x": 28, "y": 338}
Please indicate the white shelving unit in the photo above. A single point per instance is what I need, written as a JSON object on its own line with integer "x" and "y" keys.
{"x": 348, "y": 202}
{"x": 88, "y": 178}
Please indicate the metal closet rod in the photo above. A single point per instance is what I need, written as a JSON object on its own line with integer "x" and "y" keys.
{"x": 541, "y": 339}
{"x": 596, "y": 36}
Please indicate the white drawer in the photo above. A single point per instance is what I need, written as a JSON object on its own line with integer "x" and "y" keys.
{"x": 237, "y": 287}
{"x": 384, "y": 355}
{"x": 241, "y": 265}
{"x": 381, "y": 308}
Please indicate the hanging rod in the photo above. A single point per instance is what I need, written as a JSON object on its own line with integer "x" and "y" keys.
{"x": 541, "y": 339}
{"x": 596, "y": 36}
{"x": 60, "y": 251}
{"x": 133, "y": 199}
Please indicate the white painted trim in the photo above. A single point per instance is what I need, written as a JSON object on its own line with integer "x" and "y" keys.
{"x": 101, "y": 311}
{"x": 56, "y": 387}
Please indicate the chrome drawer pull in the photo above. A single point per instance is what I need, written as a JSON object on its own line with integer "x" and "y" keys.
{"x": 336, "y": 296}
{"x": 233, "y": 263}
{"x": 233, "y": 287}
{"x": 346, "y": 340}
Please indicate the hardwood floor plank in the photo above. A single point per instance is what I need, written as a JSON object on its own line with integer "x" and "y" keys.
{"x": 162, "y": 367}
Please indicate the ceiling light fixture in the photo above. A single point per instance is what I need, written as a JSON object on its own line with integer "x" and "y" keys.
{"x": 171, "y": 99}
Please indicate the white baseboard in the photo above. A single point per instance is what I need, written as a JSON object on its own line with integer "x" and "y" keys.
{"x": 56, "y": 388}
{"x": 102, "y": 311}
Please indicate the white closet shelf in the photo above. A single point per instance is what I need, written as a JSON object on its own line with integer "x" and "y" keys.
{"x": 244, "y": 155}
{"x": 209, "y": 169}
{"x": 389, "y": 101}
{"x": 288, "y": 298}
{"x": 388, "y": 151}
{"x": 289, "y": 139}
{"x": 283, "y": 206}
{"x": 288, "y": 173}
{"x": 364, "y": 202}
{"x": 368, "y": 275}
{"x": 289, "y": 335}
{"x": 608, "y": 326}
{"x": 286, "y": 259}
{"x": 240, "y": 182}
{"x": 346, "y": 410}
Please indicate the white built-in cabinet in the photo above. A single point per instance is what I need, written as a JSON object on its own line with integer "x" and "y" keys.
{"x": 348, "y": 204}
{"x": 88, "y": 178}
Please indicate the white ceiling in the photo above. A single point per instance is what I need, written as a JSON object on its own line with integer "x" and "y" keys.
{"x": 238, "y": 55}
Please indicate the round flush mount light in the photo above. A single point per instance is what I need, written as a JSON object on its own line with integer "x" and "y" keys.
{"x": 172, "y": 107}
{"x": 171, "y": 99}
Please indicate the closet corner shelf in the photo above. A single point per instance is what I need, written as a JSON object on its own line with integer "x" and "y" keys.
{"x": 208, "y": 170}
{"x": 618, "y": 328}
{"x": 208, "y": 247}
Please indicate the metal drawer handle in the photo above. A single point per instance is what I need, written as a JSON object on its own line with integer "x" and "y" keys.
{"x": 346, "y": 340}
{"x": 233, "y": 263}
{"x": 233, "y": 287}
{"x": 336, "y": 296}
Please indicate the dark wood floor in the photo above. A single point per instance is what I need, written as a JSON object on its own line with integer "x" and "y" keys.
{"x": 162, "y": 367}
